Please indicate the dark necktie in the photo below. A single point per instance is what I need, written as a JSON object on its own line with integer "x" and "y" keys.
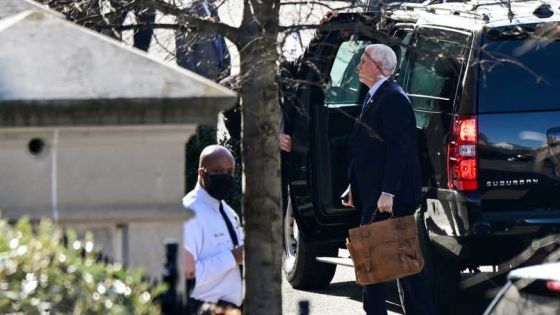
{"x": 231, "y": 231}
{"x": 367, "y": 98}
{"x": 364, "y": 106}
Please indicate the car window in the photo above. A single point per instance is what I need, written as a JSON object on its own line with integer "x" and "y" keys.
{"x": 438, "y": 56}
{"x": 344, "y": 87}
{"x": 402, "y": 67}
{"x": 520, "y": 73}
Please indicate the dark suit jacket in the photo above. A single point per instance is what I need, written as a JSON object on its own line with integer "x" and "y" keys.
{"x": 383, "y": 152}
{"x": 204, "y": 53}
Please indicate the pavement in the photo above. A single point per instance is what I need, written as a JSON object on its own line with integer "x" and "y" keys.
{"x": 342, "y": 297}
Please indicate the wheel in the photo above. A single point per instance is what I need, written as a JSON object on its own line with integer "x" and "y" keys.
{"x": 443, "y": 274}
{"x": 300, "y": 265}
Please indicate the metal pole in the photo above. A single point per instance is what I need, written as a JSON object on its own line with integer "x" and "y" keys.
{"x": 304, "y": 307}
{"x": 170, "y": 277}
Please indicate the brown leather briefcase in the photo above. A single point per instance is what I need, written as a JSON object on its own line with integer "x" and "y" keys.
{"x": 385, "y": 250}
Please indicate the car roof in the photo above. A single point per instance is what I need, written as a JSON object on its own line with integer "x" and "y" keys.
{"x": 549, "y": 271}
{"x": 475, "y": 15}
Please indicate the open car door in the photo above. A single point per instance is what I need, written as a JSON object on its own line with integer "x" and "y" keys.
{"x": 328, "y": 101}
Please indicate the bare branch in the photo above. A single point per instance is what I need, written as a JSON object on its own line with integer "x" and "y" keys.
{"x": 299, "y": 27}
{"x": 319, "y": 3}
{"x": 247, "y": 15}
{"x": 193, "y": 22}
{"x": 126, "y": 27}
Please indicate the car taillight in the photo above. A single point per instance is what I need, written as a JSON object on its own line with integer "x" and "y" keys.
{"x": 553, "y": 286}
{"x": 462, "y": 163}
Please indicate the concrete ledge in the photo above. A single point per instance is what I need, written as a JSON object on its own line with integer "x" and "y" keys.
{"x": 11, "y": 7}
{"x": 112, "y": 112}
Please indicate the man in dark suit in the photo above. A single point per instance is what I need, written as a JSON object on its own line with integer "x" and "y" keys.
{"x": 384, "y": 171}
{"x": 106, "y": 17}
{"x": 203, "y": 53}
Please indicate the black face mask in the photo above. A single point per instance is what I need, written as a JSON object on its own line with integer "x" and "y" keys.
{"x": 219, "y": 186}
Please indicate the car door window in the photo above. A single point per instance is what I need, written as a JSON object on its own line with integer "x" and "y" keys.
{"x": 435, "y": 68}
{"x": 344, "y": 87}
{"x": 405, "y": 35}
{"x": 402, "y": 67}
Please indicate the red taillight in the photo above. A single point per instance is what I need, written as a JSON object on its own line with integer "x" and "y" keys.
{"x": 467, "y": 169}
{"x": 553, "y": 286}
{"x": 467, "y": 130}
{"x": 462, "y": 163}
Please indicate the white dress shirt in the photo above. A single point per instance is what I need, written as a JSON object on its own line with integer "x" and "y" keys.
{"x": 375, "y": 87}
{"x": 207, "y": 238}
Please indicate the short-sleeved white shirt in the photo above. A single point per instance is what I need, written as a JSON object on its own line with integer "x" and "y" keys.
{"x": 207, "y": 238}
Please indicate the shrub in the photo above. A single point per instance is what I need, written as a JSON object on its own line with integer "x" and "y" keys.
{"x": 40, "y": 275}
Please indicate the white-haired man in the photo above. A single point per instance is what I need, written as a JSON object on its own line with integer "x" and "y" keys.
{"x": 384, "y": 171}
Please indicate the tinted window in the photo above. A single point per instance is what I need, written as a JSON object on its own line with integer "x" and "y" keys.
{"x": 403, "y": 62}
{"x": 520, "y": 74}
{"x": 344, "y": 87}
{"x": 435, "y": 67}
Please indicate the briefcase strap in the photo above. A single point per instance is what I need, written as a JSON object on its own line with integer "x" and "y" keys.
{"x": 375, "y": 213}
{"x": 365, "y": 233}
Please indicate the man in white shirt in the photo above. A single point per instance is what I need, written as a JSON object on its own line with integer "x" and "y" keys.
{"x": 213, "y": 238}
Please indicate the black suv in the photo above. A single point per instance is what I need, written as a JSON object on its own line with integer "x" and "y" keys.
{"x": 484, "y": 80}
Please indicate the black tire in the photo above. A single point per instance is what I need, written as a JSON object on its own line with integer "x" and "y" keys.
{"x": 300, "y": 265}
{"x": 443, "y": 273}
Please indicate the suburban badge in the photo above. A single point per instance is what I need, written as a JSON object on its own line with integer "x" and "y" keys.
{"x": 512, "y": 182}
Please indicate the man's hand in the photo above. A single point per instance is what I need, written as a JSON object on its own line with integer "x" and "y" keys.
{"x": 328, "y": 16}
{"x": 190, "y": 265}
{"x": 285, "y": 142}
{"x": 385, "y": 203}
{"x": 239, "y": 255}
{"x": 347, "y": 199}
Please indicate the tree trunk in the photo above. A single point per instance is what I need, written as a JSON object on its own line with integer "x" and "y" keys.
{"x": 261, "y": 159}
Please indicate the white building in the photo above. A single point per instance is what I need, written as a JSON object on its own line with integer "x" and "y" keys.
{"x": 93, "y": 133}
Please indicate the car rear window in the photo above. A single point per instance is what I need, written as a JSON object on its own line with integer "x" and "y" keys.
{"x": 519, "y": 70}
{"x": 435, "y": 68}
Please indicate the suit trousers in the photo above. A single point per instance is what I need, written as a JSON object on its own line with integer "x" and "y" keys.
{"x": 413, "y": 294}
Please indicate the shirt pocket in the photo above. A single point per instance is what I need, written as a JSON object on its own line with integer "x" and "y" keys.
{"x": 220, "y": 239}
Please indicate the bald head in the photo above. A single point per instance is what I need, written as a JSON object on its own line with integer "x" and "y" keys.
{"x": 212, "y": 153}
{"x": 215, "y": 160}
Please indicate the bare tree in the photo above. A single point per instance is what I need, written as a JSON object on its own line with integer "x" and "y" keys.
{"x": 257, "y": 40}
